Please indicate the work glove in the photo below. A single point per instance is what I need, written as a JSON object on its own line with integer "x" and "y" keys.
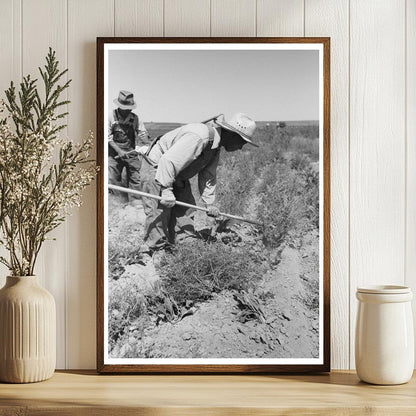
{"x": 213, "y": 211}
{"x": 168, "y": 198}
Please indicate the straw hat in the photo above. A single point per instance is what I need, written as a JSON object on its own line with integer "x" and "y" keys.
{"x": 125, "y": 100}
{"x": 241, "y": 124}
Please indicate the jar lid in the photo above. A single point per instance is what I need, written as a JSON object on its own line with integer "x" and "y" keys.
{"x": 384, "y": 289}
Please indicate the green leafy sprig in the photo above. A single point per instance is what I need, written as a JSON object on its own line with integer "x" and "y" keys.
{"x": 42, "y": 176}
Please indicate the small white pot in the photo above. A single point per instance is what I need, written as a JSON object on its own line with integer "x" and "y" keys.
{"x": 384, "y": 343}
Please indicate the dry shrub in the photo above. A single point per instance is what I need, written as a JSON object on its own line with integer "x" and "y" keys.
{"x": 238, "y": 172}
{"x": 126, "y": 303}
{"x": 280, "y": 206}
{"x": 305, "y": 146}
{"x": 270, "y": 150}
{"x": 299, "y": 162}
{"x": 250, "y": 307}
{"x": 197, "y": 269}
{"x": 272, "y": 141}
{"x": 124, "y": 238}
{"x": 308, "y": 130}
{"x": 236, "y": 176}
{"x": 283, "y": 139}
{"x": 274, "y": 134}
{"x": 311, "y": 196}
{"x": 309, "y": 178}
{"x": 279, "y": 173}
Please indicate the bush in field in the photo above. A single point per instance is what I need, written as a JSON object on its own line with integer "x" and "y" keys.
{"x": 311, "y": 195}
{"x": 309, "y": 131}
{"x": 279, "y": 176}
{"x": 236, "y": 177}
{"x": 272, "y": 141}
{"x": 239, "y": 171}
{"x": 283, "y": 139}
{"x": 305, "y": 146}
{"x": 299, "y": 162}
{"x": 126, "y": 303}
{"x": 124, "y": 238}
{"x": 270, "y": 151}
{"x": 309, "y": 178}
{"x": 280, "y": 206}
{"x": 118, "y": 256}
{"x": 196, "y": 270}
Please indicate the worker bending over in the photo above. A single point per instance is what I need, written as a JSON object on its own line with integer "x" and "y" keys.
{"x": 176, "y": 157}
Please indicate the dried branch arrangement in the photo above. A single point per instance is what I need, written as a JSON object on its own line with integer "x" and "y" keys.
{"x": 42, "y": 175}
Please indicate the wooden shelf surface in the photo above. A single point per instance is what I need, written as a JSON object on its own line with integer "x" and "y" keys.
{"x": 86, "y": 393}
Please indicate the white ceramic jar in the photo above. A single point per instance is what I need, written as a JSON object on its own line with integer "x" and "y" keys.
{"x": 384, "y": 352}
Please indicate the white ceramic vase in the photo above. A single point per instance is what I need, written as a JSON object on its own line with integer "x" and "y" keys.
{"x": 384, "y": 352}
{"x": 27, "y": 331}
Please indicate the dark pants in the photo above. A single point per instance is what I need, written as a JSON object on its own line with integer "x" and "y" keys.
{"x": 165, "y": 225}
{"x": 115, "y": 169}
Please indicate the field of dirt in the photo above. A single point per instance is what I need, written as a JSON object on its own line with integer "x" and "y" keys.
{"x": 277, "y": 316}
{"x": 215, "y": 328}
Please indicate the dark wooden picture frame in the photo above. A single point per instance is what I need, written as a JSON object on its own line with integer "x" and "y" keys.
{"x": 224, "y": 368}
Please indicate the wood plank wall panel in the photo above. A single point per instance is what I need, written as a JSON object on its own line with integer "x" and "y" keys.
{"x": 187, "y": 18}
{"x": 233, "y": 18}
{"x": 6, "y": 75}
{"x": 10, "y": 68}
{"x": 280, "y": 18}
{"x": 331, "y": 18}
{"x": 86, "y": 21}
{"x": 411, "y": 148}
{"x": 382, "y": 146}
{"x": 10, "y": 44}
{"x": 138, "y": 17}
{"x": 377, "y": 147}
{"x": 44, "y": 26}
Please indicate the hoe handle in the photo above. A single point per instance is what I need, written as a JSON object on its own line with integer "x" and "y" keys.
{"x": 182, "y": 204}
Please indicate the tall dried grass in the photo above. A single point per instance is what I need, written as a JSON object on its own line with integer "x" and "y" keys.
{"x": 197, "y": 269}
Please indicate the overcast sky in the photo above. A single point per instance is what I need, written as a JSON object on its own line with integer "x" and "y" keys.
{"x": 188, "y": 86}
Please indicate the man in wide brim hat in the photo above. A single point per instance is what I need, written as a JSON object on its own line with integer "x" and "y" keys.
{"x": 240, "y": 124}
{"x": 125, "y": 100}
{"x": 125, "y": 133}
{"x": 173, "y": 159}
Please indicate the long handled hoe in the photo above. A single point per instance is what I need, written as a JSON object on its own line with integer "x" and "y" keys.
{"x": 183, "y": 204}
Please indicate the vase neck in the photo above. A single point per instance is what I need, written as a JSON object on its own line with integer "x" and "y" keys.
{"x": 22, "y": 280}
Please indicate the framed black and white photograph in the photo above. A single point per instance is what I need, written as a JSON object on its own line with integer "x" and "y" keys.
{"x": 213, "y": 205}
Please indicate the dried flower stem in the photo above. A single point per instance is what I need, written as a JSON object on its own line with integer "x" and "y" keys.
{"x": 36, "y": 193}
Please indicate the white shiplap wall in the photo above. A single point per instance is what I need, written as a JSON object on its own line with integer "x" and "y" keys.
{"x": 373, "y": 132}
